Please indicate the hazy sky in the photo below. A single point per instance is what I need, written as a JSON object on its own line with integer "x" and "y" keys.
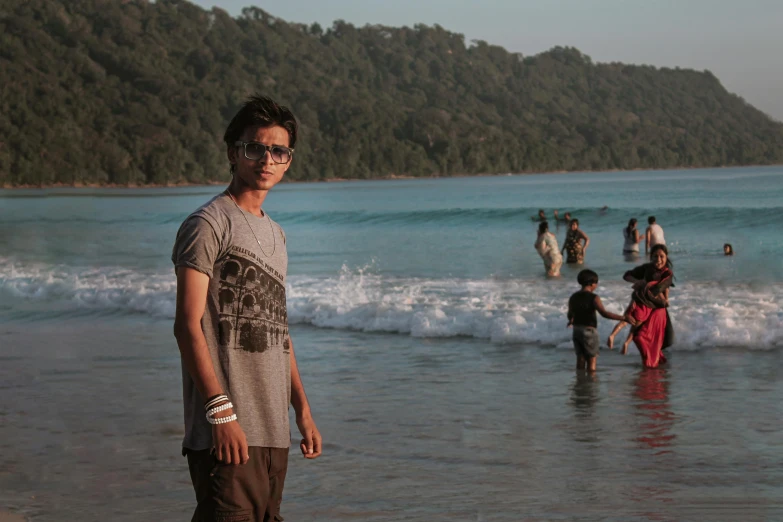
{"x": 741, "y": 42}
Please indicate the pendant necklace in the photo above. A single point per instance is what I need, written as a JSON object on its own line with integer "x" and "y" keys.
{"x": 274, "y": 240}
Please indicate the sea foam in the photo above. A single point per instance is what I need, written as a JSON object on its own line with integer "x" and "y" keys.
{"x": 494, "y": 309}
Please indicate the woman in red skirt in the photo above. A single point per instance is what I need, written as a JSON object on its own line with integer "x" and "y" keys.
{"x": 650, "y": 299}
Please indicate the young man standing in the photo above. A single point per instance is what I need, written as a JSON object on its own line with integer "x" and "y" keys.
{"x": 239, "y": 370}
{"x": 653, "y": 235}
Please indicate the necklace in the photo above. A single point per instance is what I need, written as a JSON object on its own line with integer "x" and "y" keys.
{"x": 274, "y": 240}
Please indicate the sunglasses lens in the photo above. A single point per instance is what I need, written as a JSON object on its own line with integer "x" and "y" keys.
{"x": 280, "y": 154}
{"x": 254, "y": 151}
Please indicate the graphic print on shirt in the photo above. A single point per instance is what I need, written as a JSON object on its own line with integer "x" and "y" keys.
{"x": 251, "y": 297}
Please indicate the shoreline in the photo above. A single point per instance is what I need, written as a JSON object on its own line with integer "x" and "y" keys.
{"x": 380, "y": 178}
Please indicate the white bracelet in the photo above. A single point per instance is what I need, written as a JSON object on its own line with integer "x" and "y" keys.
{"x": 217, "y": 409}
{"x": 222, "y": 420}
{"x": 217, "y": 400}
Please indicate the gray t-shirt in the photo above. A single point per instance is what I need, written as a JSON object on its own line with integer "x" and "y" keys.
{"x": 245, "y": 321}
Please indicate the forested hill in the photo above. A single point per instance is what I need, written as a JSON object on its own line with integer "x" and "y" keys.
{"x": 134, "y": 92}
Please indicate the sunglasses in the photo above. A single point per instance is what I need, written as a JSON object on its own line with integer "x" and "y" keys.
{"x": 255, "y": 151}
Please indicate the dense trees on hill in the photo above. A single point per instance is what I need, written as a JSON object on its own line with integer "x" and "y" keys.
{"x": 135, "y": 92}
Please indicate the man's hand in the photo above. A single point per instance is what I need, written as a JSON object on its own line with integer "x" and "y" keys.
{"x": 230, "y": 443}
{"x": 311, "y": 437}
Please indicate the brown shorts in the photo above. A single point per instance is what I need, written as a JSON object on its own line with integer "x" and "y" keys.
{"x": 249, "y": 492}
{"x": 586, "y": 342}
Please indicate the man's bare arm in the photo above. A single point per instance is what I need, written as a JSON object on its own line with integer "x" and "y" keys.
{"x": 192, "y": 288}
{"x": 311, "y": 437}
{"x": 228, "y": 439}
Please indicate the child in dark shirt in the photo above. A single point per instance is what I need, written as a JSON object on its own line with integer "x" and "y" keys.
{"x": 582, "y": 308}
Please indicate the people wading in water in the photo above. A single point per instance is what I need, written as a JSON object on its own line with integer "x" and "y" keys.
{"x": 648, "y": 306}
{"x": 546, "y": 246}
{"x": 653, "y": 235}
{"x": 575, "y": 244}
{"x": 631, "y": 241}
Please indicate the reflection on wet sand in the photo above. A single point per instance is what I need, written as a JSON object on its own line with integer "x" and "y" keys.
{"x": 651, "y": 389}
{"x": 585, "y": 392}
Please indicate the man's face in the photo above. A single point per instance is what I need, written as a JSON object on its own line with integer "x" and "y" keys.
{"x": 263, "y": 173}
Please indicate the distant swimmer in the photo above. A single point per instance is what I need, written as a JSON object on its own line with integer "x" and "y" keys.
{"x": 541, "y": 217}
{"x": 728, "y": 250}
{"x": 565, "y": 219}
{"x": 574, "y": 245}
{"x": 653, "y": 235}
{"x": 603, "y": 210}
{"x": 558, "y": 220}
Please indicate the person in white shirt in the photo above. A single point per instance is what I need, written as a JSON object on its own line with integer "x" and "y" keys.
{"x": 653, "y": 235}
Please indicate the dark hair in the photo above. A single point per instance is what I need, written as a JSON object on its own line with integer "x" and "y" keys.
{"x": 661, "y": 246}
{"x": 260, "y": 111}
{"x": 631, "y": 223}
{"x": 541, "y": 211}
{"x": 587, "y": 278}
{"x": 731, "y": 249}
{"x": 574, "y": 221}
{"x": 651, "y": 220}
{"x": 543, "y": 227}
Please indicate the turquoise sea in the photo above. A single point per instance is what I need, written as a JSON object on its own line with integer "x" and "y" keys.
{"x": 433, "y": 349}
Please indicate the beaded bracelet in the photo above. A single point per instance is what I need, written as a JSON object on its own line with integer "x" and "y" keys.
{"x": 216, "y": 396}
{"x": 217, "y": 399}
{"x": 222, "y": 420}
{"x": 216, "y": 403}
{"x": 217, "y": 409}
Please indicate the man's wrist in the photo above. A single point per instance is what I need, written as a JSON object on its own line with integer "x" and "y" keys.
{"x": 303, "y": 412}
{"x": 224, "y": 413}
{"x": 221, "y": 414}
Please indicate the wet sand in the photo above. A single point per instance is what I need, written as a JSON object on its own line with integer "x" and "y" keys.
{"x": 460, "y": 430}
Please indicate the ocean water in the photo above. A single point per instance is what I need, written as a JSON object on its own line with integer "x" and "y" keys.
{"x": 433, "y": 349}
